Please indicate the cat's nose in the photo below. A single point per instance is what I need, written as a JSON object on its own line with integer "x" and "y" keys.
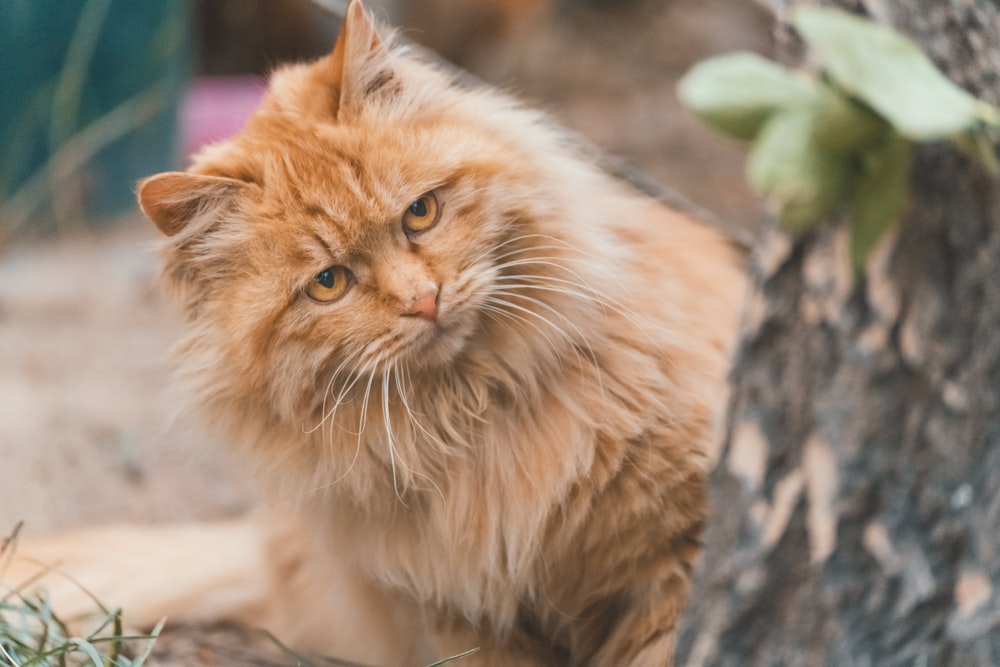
{"x": 425, "y": 304}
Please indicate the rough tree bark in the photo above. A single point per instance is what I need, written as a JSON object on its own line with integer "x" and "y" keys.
{"x": 856, "y": 503}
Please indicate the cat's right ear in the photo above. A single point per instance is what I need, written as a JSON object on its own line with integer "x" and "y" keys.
{"x": 359, "y": 65}
{"x": 173, "y": 200}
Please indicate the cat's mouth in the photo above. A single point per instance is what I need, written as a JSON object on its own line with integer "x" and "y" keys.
{"x": 441, "y": 341}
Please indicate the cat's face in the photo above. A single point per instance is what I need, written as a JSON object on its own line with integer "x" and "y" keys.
{"x": 365, "y": 247}
{"x": 366, "y": 222}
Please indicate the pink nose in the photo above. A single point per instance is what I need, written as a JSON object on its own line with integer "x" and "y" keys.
{"x": 425, "y": 305}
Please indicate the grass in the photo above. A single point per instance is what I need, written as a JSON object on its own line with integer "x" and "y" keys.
{"x": 301, "y": 661}
{"x": 31, "y": 634}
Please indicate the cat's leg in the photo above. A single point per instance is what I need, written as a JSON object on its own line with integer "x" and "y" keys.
{"x": 262, "y": 571}
{"x": 644, "y": 633}
{"x": 456, "y": 637}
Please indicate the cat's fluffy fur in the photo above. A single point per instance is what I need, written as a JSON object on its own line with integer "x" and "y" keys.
{"x": 525, "y": 474}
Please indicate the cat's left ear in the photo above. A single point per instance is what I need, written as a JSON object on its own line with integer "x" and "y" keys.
{"x": 175, "y": 200}
{"x": 359, "y": 65}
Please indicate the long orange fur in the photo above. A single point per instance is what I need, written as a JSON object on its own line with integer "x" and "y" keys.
{"x": 527, "y": 474}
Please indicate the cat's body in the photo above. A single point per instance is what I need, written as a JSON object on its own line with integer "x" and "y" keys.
{"x": 484, "y": 374}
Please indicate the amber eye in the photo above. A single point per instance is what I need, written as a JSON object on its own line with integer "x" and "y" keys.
{"x": 421, "y": 215}
{"x": 330, "y": 284}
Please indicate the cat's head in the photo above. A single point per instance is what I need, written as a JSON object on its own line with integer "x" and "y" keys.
{"x": 371, "y": 217}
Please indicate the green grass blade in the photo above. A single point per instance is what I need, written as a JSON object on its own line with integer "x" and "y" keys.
{"x": 454, "y": 657}
{"x": 148, "y": 650}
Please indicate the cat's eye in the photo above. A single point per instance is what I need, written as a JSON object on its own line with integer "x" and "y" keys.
{"x": 330, "y": 284}
{"x": 422, "y": 214}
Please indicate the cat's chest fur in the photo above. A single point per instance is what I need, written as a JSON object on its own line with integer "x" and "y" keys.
{"x": 499, "y": 502}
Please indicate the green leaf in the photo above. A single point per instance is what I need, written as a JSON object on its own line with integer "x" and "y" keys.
{"x": 737, "y": 92}
{"x": 879, "y": 197}
{"x": 979, "y": 147}
{"x": 890, "y": 73}
{"x": 844, "y": 126}
{"x": 787, "y": 165}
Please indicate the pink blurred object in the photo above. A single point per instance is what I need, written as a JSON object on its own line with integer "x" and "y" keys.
{"x": 216, "y": 108}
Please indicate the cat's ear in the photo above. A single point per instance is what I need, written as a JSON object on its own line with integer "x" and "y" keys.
{"x": 359, "y": 64}
{"x": 174, "y": 199}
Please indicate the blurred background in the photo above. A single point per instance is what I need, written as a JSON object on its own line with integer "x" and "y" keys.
{"x": 99, "y": 93}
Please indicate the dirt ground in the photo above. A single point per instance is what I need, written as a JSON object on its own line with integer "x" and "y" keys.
{"x": 88, "y": 428}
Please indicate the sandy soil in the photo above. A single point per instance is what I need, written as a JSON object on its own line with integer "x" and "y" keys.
{"x": 87, "y": 427}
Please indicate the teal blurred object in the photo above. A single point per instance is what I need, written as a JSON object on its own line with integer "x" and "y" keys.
{"x": 89, "y": 93}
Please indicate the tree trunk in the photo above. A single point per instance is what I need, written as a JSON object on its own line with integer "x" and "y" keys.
{"x": 856, "y": 503}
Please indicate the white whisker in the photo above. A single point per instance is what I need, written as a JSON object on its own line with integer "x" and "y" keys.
{"x": 518, "y": 282}
{"x": 363, "y": 420}
{"x": 615, "y": 306}
{"x": 412, "y": 418}
{"x": 593, "y": 297}
{"x": 388, "y": 435}
{"x": 582, "y": 337}
{"x": 523, "y": 237}
{"x": 536, "y": 248}
{"x": 326, "y": 392}
{"x": 357, "y": 448}
{"x": 500, "y": 307}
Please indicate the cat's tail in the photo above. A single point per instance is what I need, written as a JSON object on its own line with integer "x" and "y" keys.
{"x": 191, "y": 573}
{"x": 261, "y": 571}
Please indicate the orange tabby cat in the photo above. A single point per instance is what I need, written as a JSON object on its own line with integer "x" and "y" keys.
{"x": 484, "y": 374}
